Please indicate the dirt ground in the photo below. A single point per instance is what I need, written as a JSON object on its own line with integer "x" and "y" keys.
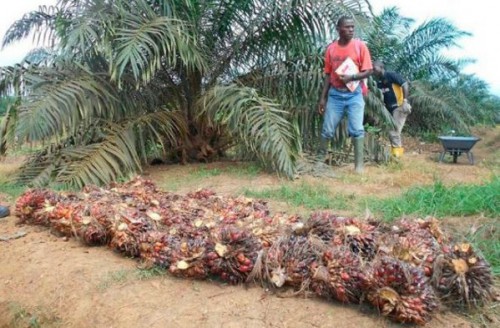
{"x": 46, "y": 281}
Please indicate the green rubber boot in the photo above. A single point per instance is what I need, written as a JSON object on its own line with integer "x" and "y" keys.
{"x": 359, "y": 154}
{"x": 323, "y": 150}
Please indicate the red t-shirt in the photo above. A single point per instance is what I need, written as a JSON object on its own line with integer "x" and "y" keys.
{"x": 336, "y": 54}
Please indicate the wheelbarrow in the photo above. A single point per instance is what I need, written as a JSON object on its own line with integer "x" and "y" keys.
{"x": 456, "y": 146}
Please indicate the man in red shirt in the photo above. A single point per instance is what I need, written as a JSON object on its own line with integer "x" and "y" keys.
{"x": 339, "y": 95}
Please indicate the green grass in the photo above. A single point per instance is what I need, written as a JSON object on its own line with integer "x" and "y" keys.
{"x": 245, "y": 170}
{"x": 33, "y": 317}
{"x": 207, "y": 171}
{"x": 125, "y": 275}
{"x": 439, "y": 200}
{"x": 145, "y": 274}
{"x": 487, "y": 239}
{"x": 241, "y": 170}
{"x": 202, "y": 173}
{"x": 115, "y": 278}
{"x": 11, "y": 190}
{"x": 305, "y": 195}
{"x": 8, "y": 187}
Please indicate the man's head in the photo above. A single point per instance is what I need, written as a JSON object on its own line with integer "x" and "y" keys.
{"x": 378, "y": 68}
{"x": 345, "y": 28}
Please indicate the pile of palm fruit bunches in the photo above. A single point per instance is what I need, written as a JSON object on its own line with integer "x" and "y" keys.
{"x": 405, "y": 270}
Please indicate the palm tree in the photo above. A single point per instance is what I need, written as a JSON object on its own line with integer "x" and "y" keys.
{"x": 442, "y": 97}
{"x": 195, "y": 77}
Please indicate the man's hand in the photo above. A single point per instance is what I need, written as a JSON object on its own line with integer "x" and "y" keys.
{"x": 346, "y": 78}
{"x": 406, "y": 107}
{"x": 321, "y": 107}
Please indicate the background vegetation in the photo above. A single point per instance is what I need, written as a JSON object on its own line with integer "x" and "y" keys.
{"x": 121, "y": 83}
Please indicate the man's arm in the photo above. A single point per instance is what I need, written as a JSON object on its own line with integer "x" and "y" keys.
{"x": 406, "y": 90}
{"x": 365, "y": 67}
{"x": 324, "y": 94}
{"x": 356, "y": 77}
{"x": 406, "y": 107}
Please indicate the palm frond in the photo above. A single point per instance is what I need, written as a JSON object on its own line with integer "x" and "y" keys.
{"x": 145, "y": 41}
{"x": 113, "y": 154}
{"x": 41, "y": 22}
{"x": 4, "y": 123}
{"x": 102, "y": 162}
{"x": 59, "y": 100}
{"x": 426, "y": 41}
{"x": 433, "y": 106}
{"x": 40, "y": 56}
{"x": 11, "y": 78}
{"x": 256, "y": 121}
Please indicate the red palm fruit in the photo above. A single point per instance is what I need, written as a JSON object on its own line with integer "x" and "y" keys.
{"x": 33, "y": 205}
{"x": 93, "y": 233}
{"x": 237, "y": 251}
{"x": 155, "y": 248}
{"x": 413, "y": 242}
{"x": 292, "y": 260}
{"x": 189, "y": 258}
{"x": 125, "y": 233}
{"x": 430, "y": 225}
{"x": 201, "y": 194}
{"x": 345, "y": 275}
{"x": 408, "y": 298}
{"x": 358, "y": 235}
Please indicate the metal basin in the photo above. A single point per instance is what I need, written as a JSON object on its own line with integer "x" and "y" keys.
{"x": 458, "y": 145}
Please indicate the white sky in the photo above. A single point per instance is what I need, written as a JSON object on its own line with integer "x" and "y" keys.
{"x": 8, "y": 15}
{"x": 478, "y": 17}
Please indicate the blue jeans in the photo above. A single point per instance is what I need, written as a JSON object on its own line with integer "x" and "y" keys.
{"x": 338, "y": 102}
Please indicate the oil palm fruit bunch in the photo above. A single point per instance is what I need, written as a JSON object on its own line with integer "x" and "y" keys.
{"x": 344, "y": 273}
{"x": 417, "y": 242}
{"x": 156, "y": 247}
{"x": 234, "y": 253}
{"x": 401, "y": 291}
{"x": 139, "y": 189}
{"x": 92, "y": 232}
{"x": 360, "y": 236}
{"x": 34, "y": 204}
{"x": 188, "y": 258}
{"x": 201, "y": 194}
{"x": 413, "y": 247}
{"x": 269, "y": 228}
{"x": 463, "y": 278}
{"x": 298, "y": 258}
{"x": 66, "y": 217}
{"x": 125, "y": 232}
{"x": 234, "y": 208}
{"x": 428, "y": 228}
